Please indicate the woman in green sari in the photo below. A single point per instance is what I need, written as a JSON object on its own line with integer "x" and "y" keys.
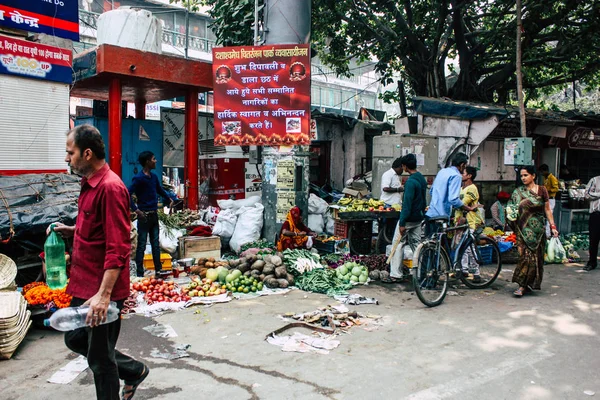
{"x": 527, "y": 211}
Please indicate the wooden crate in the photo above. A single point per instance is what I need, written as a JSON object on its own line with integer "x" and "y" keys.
{"x": 200, "y": 247}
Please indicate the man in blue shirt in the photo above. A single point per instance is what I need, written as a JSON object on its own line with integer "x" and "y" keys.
{"x": 146, "y": 187}
{"x": 445, "y": 191}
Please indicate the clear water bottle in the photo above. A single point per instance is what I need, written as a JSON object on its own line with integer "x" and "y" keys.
{"x": 56, "y": 264}
{"x": 70, "y": 318}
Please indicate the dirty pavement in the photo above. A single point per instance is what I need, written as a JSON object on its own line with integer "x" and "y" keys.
{"x": 482, "y": 344}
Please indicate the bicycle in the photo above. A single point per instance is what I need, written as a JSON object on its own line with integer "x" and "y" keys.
{"x": 437, "y": 257}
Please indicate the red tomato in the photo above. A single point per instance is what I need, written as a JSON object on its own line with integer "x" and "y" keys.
{"x": 161, "y": 298}
{"x": 144, "y": 288}
{"x": 151, "y": 287}
{"x": 136, "y": 286}
{"x": 159, "y": 281}
{"x": 154, "y": 297}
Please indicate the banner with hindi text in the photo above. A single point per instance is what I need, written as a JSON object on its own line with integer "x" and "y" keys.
{"x": 262, "y": 95}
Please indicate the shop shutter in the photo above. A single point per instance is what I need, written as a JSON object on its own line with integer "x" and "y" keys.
{"x": 34, "y": 118}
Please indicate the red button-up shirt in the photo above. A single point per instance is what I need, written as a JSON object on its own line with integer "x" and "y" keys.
{"x": 101, "y": 239}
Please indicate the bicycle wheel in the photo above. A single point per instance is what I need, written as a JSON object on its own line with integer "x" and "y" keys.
{"x": 487, "y": 256}
{"x": 430, "y": 277}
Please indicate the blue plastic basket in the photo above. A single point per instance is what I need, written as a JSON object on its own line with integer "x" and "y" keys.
{"x": 486, "y": 253}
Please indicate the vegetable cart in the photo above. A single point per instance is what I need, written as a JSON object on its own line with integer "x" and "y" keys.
{"x": 357, "y": 227}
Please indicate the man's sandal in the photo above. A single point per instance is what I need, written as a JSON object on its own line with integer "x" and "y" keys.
{"x": 519, "y": 292}
{"x": 127, "y": 394}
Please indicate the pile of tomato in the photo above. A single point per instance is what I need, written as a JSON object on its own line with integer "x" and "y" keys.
{"x": 157, "y": 290}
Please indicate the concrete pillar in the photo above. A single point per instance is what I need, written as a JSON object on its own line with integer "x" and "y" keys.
{"x": 115, "y": 119}
{"x": 191, "y": 148}
{"x": 287, "y": 22}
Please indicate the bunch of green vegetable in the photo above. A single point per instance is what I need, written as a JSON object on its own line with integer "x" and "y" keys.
{"x": 322, "y": 280}
{"x": 574, "y": 241}
{"x": 291, "y": 256}
{"x": 178, "y": 220}
{"x": 259, "y": 244}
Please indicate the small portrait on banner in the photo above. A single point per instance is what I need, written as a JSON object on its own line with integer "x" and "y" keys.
{"x": 223, "y": 75}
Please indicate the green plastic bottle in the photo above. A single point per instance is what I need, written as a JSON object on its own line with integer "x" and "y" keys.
{"x": 56, "y": 263}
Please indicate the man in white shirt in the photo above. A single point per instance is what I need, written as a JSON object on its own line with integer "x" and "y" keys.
{"x": 592, "y": 192}
{"x": 391, "y": 186}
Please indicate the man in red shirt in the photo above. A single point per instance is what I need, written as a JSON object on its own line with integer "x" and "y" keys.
{"x": 100, "y": 264}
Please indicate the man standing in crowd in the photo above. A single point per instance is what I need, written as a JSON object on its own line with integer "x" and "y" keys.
{"x": 551, "y": 184}
{"x": 469, "y": 195}
{"x": 146, "y": 186}
{"x": 592, "y": 192}
{"x": 445, "y": 191}
{"x": 411, "y": 216}
{"x": 100, "y": 264}
{"x": 391, "y": 187}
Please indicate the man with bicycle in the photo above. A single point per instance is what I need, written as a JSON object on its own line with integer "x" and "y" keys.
{"x": 445, "y": 191}
{"x": 409, "y": 230}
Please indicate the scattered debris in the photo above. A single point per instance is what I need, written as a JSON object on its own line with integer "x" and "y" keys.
{"x": 160, "y": 330}
{"x": 589, "y": 392}
{"x": 180, "y": 352}
{"x": 301, "y": 343}
{"x": 355, "y": 299}
{"x": 337, "y": 317}
{"x": 453, "y": 293}
{"x": 70, "y": 371}
{"x": 222, "y": 298}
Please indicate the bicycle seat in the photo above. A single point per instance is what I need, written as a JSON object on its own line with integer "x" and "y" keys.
{"x": 439, "y": 219}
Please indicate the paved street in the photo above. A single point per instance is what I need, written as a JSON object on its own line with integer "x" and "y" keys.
{"x": 477, "y": 345}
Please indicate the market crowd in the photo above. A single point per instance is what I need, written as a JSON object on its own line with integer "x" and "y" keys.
{"x": 454, "y": 196}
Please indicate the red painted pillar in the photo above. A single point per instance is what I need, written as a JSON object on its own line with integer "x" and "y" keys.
{"x": 191, "y": 148}
{"x": 140, "y": 109}
{"x": 115, "y": 141}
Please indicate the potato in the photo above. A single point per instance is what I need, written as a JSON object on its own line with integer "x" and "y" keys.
{"x": 290, "y": 279}
{"x": 234, "y": 263}
{"x": 276, "y": 260}
{"x": 247, "y": 273}
{"x": 259, "y": 257}
{"x": 267, "y": 277}
{"x": 272, "y": 283}
{"x": 282, "y": 283}
{"x": 261, "y": 277}
{"x": 244, "y": 267}
{"x": 280, "y": 272}
{"x": 259, "y": 264}
{"x": 267, "y": 258}
{"x": 255, "y": 273}
{"x": 211, "y": 259}
{"x": 209, "y": 264}
{"x": 268, "y": 269}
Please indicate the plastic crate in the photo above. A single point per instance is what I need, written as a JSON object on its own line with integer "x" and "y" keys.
{"x": 341, "y": 229}
{"x": 486, "y": 253}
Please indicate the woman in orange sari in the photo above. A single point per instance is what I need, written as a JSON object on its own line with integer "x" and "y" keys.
{"x": 294, "y": 234}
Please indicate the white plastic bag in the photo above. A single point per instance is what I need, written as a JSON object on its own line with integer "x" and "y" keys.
{"x": 169, "y": 238}
{"x": 316, "y": 223}
{"x": 248, "y": 226}
{"x": 211, "y": 215}
{"x": 317, "y": 205}
{"x": 329, "y": 224}
{"x": 237, "y": 204}
{"x": 225, "y": 225}
{"x": 555, "y": 253}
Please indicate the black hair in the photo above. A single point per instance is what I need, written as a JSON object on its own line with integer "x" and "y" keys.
{"x": 564, "y": 166}
{"x": 459, "y": 158}
{"x": 397, "y": 163}
{"x": 410, "y": 161}
{"x": 471, "y": 171}
{"x": 544, "y": 168}
{"x": 144, "y": 157}
{"x": 88, "y": 137}
{"x": 530, "y": 169}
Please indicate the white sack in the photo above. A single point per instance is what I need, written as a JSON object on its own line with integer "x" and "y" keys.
{"x": 225, "y": 225}
{"x": 169, "y": 238}
{"x": 210, "y": 217}
{"x": 316, "y": 223}
{"x": 237, "y": 204}
{"x": 329, "y": 224}
{"x": 248, "y": 227}
{"x": 317, "y": 205}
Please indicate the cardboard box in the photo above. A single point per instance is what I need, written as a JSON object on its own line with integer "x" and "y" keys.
{"x": 356, "y": 193}
{"x": 200, "y": 247}
{"x": 165, "y": 260}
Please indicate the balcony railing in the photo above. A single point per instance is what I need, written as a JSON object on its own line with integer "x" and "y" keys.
{"x": 176, "y": 39}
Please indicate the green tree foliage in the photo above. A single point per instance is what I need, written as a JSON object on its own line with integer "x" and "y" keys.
{"x": 417, "y": 38}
